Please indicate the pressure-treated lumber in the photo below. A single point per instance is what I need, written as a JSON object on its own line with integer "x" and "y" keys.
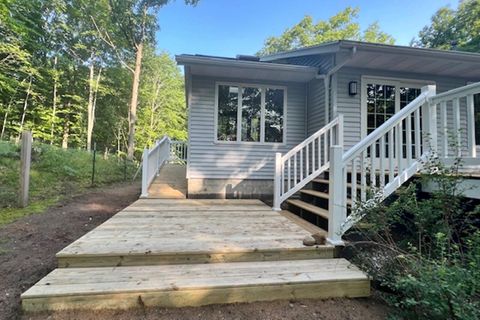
{"x": 195, "y": 284}
{"x": 161, "y": 231}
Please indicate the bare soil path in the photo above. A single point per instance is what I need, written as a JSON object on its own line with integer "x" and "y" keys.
{"x": 27, "y": 253}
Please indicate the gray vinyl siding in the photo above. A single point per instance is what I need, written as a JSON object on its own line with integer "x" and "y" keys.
{"x": 323, "y": 62}
{"x": 350, "y": 105}
{"x": 208, "y": 159}
{"x": 316, "y": 106}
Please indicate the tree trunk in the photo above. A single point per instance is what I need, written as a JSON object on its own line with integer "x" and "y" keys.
{"x": 5, "y": 119}
{"x": 91, "y": 67}
{"x": 54, "y": 106}
{"x": 132, "y": 116}
{"x": 66, "y": 130}
{"x": 25, "y": 106}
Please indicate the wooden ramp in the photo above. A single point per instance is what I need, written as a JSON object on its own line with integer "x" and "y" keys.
{"x": 171, "y": 183}
{"x": 166, "y": 252}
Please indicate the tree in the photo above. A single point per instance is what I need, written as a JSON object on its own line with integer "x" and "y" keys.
{"x": 135, "y": 25}
{"x": 449, "y": 28}
{"x": 343, "y": 25}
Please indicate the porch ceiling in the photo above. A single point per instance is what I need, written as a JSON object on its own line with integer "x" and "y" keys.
{"x": 241, "y": 69}
{"x": 400, "y": 62}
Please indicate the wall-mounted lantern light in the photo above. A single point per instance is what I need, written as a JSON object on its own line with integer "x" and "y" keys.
{"x": 352, "y": 88}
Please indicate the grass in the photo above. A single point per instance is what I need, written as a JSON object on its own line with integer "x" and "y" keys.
{"x": 55, "y": 174}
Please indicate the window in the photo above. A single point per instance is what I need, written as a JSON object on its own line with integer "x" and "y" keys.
{"x": 250, "y": 113}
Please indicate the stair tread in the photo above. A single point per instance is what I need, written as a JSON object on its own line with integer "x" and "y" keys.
{"x": 310, "y": 207}
{"x": 315, "y": 193}
{"x": 176, "y": 279}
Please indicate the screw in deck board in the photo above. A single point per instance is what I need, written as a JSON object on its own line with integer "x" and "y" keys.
{"x": 25, "y": 159}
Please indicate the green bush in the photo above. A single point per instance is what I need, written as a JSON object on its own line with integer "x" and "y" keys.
{"x": 423, "y": 251}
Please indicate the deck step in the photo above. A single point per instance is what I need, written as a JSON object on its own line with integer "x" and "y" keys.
{"x": 315, "y": 193}
{"x": 310, "y": 208}
{"x": 195, "y": 285}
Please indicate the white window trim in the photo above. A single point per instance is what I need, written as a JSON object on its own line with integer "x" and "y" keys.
{"x": 397, "y": 82}
{"x": 263, "y": 87}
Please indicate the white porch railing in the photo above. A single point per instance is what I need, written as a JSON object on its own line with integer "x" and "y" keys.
{"x": 381, "y": 162}
{"x": 178, "y": 151}
{"x": 153, "y": 160}
{"x": 305, "y": 161}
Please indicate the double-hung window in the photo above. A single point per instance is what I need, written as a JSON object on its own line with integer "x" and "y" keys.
{"x": 250, "y": 113}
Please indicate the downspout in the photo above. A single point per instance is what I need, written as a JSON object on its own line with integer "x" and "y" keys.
{"x": 327, "y": 79}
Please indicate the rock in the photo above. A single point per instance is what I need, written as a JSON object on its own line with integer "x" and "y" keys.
{"x": 320, "y": 238}
{"x": 309, "y": 241}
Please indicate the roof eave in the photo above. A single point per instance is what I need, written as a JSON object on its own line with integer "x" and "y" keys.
{"x": 191, "y": 60}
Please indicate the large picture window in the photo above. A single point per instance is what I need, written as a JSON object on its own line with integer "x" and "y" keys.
{"x": 250, "y": 113}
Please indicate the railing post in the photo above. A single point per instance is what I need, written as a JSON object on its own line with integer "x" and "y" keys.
{"x": 430, "y": 119}
{"x": 277, "y": 183}
{"x": 340, "y": 130}
{"x": 337, "y": 207}
{"x": 145, "y": 174}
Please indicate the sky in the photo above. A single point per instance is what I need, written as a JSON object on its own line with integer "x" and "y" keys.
{"x": 231, "y": 27}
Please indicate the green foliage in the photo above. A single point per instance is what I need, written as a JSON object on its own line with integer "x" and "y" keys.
{"x": 47, "y": 50}
{"x": 55, "y": 173}
{"x": 449, "y": 26}
{"x": 343, "y": 25}
{"x": 424, "y": 249}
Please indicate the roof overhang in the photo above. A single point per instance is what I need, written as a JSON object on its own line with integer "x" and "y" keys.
{"x": 243, "y": 69}
{"x": 395, "y": 58}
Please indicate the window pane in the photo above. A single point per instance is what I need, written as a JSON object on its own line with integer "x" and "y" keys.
{"x": 227, "y": 113}
{"x": 251, "y": 112}
{"x": 274, "y": 115}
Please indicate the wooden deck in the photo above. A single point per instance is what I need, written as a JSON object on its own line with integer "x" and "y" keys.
{"x": 175, "y": 253}
{"x": 171, "y": 183}
{"x": 161, "y": 231}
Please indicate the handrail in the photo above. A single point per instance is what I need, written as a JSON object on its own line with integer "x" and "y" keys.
{"x": 305, "y": 161}
{"x": 178, "y": 151}
{"x": 315, "y": 135}
{"x": 153, "y": 160}
{"x": 472, "y": 88}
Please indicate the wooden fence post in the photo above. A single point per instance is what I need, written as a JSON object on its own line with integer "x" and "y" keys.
{"x": 25, "y": 159}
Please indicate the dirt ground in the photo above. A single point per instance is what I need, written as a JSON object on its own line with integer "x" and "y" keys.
{"x": 27, "y": 253}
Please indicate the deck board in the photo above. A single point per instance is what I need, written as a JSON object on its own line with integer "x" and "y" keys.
{"x": 194, "y": 285}
{"x": 171, "y": 231}
{"x": 171, "y": 183}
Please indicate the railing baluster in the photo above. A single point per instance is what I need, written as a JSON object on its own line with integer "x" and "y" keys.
{"x": 416, "y": 124}
{"x": 295, "y": 169}
{"x": 313, "y": 156}
{"x": 408, "y": 144}
{"x": 288, "y": 173}
{"x": 444, "y": 125}
{"x": 472, "y": 148}
{"x": 307, "y": 160}
{"x": 373, "y": 159}
{"x": 325, "y": 149}
{"x": 301, "y": 164}
{"x": 353, "y": 182}
{"x": 381, "y": 161}
{"x": 456, "y": 125}
{"x": 363, "y": 178}
{"x": 391, "y": 156}
{"x": 319, "y": 152}
{"x": 399, "y": 146}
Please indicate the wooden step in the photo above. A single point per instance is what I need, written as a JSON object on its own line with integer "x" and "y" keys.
{"x": 325, "y": 181}
{"x": 195, "y": 284}
{"x": 322, "y": 195}
{"x": 310, "y": 208}
{"x": 315, "y": 193}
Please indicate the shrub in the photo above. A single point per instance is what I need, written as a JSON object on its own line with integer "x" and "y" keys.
{"x": 423, "y": 251}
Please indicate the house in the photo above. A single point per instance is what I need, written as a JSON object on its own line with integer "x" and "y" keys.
{"x": 301, "y": 126}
